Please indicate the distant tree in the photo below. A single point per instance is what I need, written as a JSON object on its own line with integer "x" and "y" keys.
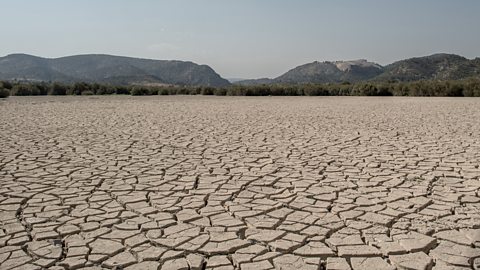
{"x": 316, "y": 90}
{"x": 454, "y": 90}
{"x": 95, "y": 88}
{"x": 207, "y": 90}
{"x": 78, "y": 88}
{"x": 6, "y": 85}
{"x": 153, "y": 91}
{"x": 104, "y": 90}
{"x": 399, "y": 89}
{"x": 195, "y": 90}
{"x": 220, "y": 91}
{"x": 58, "y": 89}
{"x": 21, "y": 90}
{"x": 384, "y": 90}
{"x": 87, "y": 93}
{"x": 35, "y": 90}
{"x": 139, "y": 91}
{"x": 163, "y": 91}
{"x": 122, "y": 90}
{"x": 468, "y": 87}
{"x": 4, "y": 93}
{"x": 42, "y": 88}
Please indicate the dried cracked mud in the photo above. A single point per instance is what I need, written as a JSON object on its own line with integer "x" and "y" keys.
{"x": 239, "y": 183}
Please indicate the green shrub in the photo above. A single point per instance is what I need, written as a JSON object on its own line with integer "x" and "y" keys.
{"x": 469, "y": 87}
{"x": 78, "y": 88}
{"x": 4, "y": 93}
{"x": 105, "y": 90}
{"x": 454, "y": 90}
{"x": 21, "y": 90}
{"x": 139, "y": 91}
{"x": 239, "y": 90}
{"x": 87, "y": 93}
{"x": 153, "y": 91}
{"x": 58, "y": 89}
{"x": 42, "y": 88}
{"x": 220, "y": 92}
{"x": 163, "y": 92}
{"x": 5, "y": 85}
{"x": 121, "y": 90}
{"x": 207, "y": 91}
{"x": 315, "y": 90}
{"x": 35, "y": 91}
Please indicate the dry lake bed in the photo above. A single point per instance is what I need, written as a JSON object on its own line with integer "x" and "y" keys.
{"x": 239, "y": 183}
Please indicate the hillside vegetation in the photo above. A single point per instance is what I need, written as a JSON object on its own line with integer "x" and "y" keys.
{"x": 433, "y": 67}
{"x": 107, "y": 69}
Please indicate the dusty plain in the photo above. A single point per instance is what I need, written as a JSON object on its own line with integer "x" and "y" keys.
{"x": 257, "y": 183}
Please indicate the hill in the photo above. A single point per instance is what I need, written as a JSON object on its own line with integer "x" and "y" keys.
{"x": 325, "y": 72}
{"x": 433, "y": 67}
{"x": 107, "y": 69}
{"x": 331, "y": 72}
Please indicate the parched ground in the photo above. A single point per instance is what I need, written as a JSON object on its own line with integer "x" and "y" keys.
{"x": 239, "y": 183}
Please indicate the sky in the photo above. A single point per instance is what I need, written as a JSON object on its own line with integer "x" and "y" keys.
{"x": 242, "y": 38}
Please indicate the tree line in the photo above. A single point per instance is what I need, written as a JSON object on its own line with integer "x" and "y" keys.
{"x": 458, "y": 88}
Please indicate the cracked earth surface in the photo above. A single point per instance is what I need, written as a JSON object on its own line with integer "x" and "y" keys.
{"x": 239, "y": 183}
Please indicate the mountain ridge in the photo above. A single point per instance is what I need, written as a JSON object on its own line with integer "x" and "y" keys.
{"x": 440, "y": 66}
{"x": 104, "y": 68}
{"x": 123, "y": 70}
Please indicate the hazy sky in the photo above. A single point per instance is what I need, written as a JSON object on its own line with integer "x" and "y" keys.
{"x": 242, "y": 38}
